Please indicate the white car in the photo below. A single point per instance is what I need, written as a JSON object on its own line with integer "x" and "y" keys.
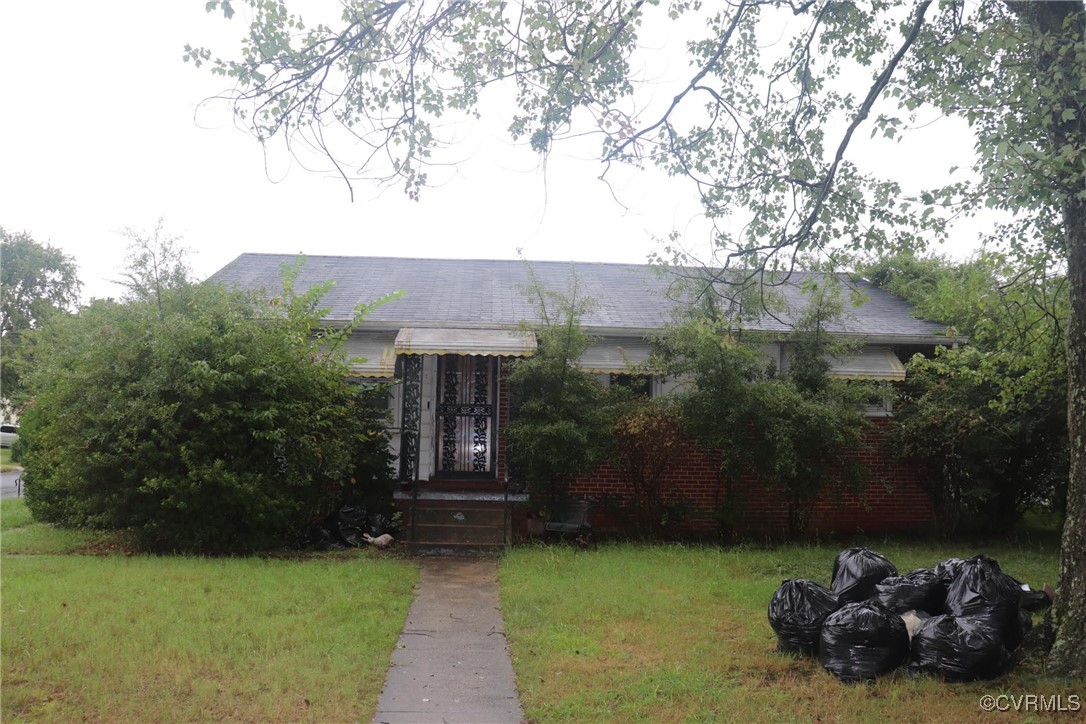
{"x": 8, "y": 435}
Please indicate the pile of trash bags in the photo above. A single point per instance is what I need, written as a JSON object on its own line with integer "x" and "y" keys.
{"x": 352, "y": 526}
{"x": 960, "y": 620}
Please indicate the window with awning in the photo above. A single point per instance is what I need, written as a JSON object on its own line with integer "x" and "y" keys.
{"x": 611, "y": 355}
{"x": 372, "y": 355}
{"x": 870, "y": 363}
{"x": 487, "y": 342}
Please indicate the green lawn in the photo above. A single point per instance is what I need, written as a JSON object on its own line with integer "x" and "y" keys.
{"x": 140, "y": 638}
{"x": 5, "y": 459}
{"x": 622, "y": 633}
{"x": 671, "y": 633}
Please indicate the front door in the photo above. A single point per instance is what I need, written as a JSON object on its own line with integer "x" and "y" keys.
{"x": 465, "y": 416}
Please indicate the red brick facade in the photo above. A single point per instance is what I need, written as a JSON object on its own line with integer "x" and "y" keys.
{"x": 893, "y": 502}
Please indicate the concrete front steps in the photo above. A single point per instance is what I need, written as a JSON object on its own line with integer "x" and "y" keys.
{"x": 457, "y": 522}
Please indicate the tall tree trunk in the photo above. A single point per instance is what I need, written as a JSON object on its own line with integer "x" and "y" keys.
{"x": 1063, "y": 21}
{"x": 1068, "y": 655}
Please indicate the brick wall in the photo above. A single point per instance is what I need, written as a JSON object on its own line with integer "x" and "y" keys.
{"x": 892, "y": 502}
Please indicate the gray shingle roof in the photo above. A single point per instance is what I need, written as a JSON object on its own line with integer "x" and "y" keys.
{"x": 630, "y": 299}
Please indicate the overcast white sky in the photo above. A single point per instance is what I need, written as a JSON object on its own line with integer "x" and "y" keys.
{"x": 99, "y": 132}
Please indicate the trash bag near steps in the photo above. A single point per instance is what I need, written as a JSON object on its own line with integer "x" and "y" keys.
{"x": 796, "y": 613}
{"x": 919, "y": 590}
{"x": 856, "y": 572}
{"x": 983, "y": 591}
{"x": 351, "y": 524}
{"x": 863, "y": 640}
{"x": 377, "y": 524}
{"x": 959, "y": 648}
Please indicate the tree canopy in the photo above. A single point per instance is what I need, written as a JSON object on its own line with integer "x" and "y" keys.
{"x": 37, "y": 281}
{"x": 763, "y": 126}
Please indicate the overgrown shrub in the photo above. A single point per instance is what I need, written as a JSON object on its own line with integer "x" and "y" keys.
{"x": 795, "y": 431}
{"x": 201, "y": 420}
{"x": 985, "y": 423}
{"x": 561, "y": 419}
{"x": 648, "y": 439}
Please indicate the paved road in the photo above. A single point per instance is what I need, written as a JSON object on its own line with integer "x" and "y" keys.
{"x": 7, "y": 483}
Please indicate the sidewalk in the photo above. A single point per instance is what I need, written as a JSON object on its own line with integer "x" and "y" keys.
{"x": 451, "y": 663}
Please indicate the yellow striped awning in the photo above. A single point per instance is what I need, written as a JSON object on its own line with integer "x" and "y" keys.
{"x": 615, "y": 355}
{"x": 486, "y": 342}
{"x": 372, "y": 355}
{"x": 870, "y": 363}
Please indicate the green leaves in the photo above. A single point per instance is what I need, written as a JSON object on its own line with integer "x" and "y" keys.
{"x": 38, "y": 282}
{"x": 562, "y": 416}
{"x": 197, "y": 419}
{"x": 791, "y": 431}
{"x": 226, "y": 5}
{"x": 986, "y": 423}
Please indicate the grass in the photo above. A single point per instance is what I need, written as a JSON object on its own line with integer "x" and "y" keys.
{"x": 6, "y": 462}
{"x": 140, "y": 638}
{"x": 673, "y": 633}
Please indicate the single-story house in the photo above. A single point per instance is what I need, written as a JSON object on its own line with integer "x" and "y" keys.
{"x": 447, "y": 340}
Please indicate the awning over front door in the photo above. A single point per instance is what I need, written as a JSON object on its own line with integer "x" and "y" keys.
{"x": 487, "y": 342}
{"x": 379, "y": 353}
{"x": 870, "y": 363}
{"x": 615, "y": 355}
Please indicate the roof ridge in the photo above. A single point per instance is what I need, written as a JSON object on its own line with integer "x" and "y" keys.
{"x": 514, "y": 261}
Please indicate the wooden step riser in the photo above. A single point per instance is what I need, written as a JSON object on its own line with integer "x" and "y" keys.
{"x": 464, "y": 535}
{"x": 460, "y": 516}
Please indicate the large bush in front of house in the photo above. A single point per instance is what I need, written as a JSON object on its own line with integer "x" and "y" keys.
{"x": 561, "y": 419}
{"x": 985, "y": 423}
{"x": 796, "y": 431}
{"x": 198, "y": 418}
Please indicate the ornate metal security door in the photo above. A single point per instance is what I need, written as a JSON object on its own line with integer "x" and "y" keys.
{"x": 465, "y": 416}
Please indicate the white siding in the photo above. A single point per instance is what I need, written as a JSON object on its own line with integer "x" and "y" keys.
{"x": 428, "y": 421}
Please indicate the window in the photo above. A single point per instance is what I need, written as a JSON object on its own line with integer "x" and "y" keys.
{"x": 640, "y": 385}
{"x": 880, "y": 401}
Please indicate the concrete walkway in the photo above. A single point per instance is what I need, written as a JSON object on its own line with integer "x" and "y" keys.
{"x": 451, "y": 663}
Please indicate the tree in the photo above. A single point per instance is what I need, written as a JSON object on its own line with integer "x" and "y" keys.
{"x": 202, "y": 420}
{"x": 648, "y": 439}
{"x": 763, "y": 127}
{"x": 794, "y": 430}
{"x": 156, "y": 263}
{"x": 984, "y": 421}
{"x": 560, "y": 426}
{"x": 39, "y": 281}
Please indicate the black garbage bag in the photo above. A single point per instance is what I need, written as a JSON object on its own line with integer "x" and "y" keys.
{"x": 983, "y": 591}
{"x": 863, "y": 640}
{"x": 856, "y": 572}
{"x": 918, "y": 590}
{"x": 377, "y": 524}
{"x": 321, "y": 538}
{"x": 351, "y": 523}
{"x": 948, "y": 570}
{"x": 1032, "y": 601}
{"x": 796, "y": 613}
{"x": 1025, "y": 621}
{"x": 959, "y": 648}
